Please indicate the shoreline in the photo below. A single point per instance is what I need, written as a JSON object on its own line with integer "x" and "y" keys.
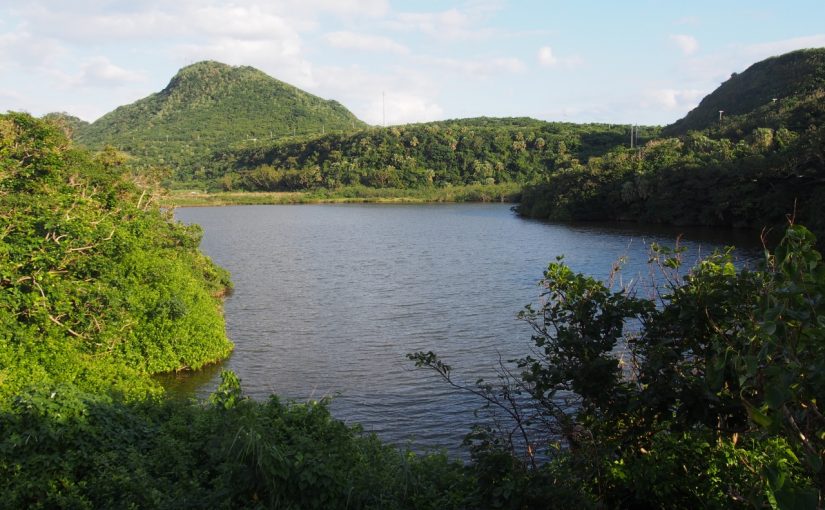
{"x": 503, "y": 193}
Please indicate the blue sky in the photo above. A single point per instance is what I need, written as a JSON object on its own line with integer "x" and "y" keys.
{"x": 644, "y": 62}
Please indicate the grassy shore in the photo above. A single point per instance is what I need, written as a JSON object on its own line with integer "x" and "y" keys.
{"x": 508, "y": 192}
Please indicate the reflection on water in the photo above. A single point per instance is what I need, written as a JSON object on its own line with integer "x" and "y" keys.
{"x": 330, "y": 298}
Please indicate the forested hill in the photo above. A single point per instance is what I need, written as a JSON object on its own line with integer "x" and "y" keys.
{"x": 763, "y": 163}
{"x": 453, "y": 152}
{"x": 783, "y": 91}
{"x": 209, "y": 105}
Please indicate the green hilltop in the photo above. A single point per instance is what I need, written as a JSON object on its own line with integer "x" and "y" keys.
{"x": 208, "y": 105}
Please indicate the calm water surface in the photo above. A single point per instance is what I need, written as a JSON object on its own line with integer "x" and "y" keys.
{"x": 330, "y": 298}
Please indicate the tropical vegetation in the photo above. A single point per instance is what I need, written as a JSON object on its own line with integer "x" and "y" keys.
{"x": 207, "y": 106}
{"x": 419, "y": 156}
{"x": 762, "y": 160}
{"x": 701, "y": 390}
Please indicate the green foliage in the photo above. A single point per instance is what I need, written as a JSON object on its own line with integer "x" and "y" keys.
{"x": 99, "y": 285}
{"x": 696, "y": 180}
{"x": 70, "y": 124}
{"x": 208, "y": 105}
{"x": 60, "y": 447}
{"x": 507, "y": 192}
{"x": 100, "y": 289}
{"x": 747, "y": 98}
{"x": 762, "y": 163}
{"x": 705, "y": 395}
{"x": 467, "y": 151}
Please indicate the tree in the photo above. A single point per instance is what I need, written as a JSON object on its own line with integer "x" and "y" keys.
{"x": 720, "y": 376}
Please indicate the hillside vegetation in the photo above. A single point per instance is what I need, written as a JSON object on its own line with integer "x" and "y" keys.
{"x": 753, "y": 169}
{"x": 448, "y": 153}
{"x": 747, "y": 98}
{"x": 208, "y": 105}
{"x": 714, "y": 402}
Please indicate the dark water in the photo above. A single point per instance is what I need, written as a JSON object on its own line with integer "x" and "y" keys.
{"x": 330, "y": 298}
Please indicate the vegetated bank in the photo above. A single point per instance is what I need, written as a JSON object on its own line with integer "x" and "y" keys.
{"x": 758, "y": 161}
{"x": 100, "y": 287}
{"x": 221, "y": 127}
{"x": 478, "y": 160}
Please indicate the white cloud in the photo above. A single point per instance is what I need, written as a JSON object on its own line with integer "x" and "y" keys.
{"x": 242, "y": 22}
{"x": 90, "y": 20}
{"x": 686, "y": 43}
{"x": 7, "y": 95}
{"x": 281, "y": 58}
{"x": 402, "y": 108}
{"x": 347, "y": 8}
{"x": 672, "y": 99}
{"x": 762, "y": 51}
{"x": 452, "y": 24}
{"x": 84, "y": 25}
{"x": 25, "y": 49}
{"x": 364, "y": 42}
{"x": 99, "y": 72}
{"x": 409, "y": 96}
{"x": 712, "y": 69}
{"x": 480, "y": 67}
{"x": 546, "y": 57}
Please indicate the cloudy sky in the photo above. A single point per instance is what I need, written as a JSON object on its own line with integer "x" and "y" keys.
{"x": 648, "y": 61}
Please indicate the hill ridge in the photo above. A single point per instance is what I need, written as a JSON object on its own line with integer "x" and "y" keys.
{"x": 758, "y": 90}
{"x": 207, "y": 105}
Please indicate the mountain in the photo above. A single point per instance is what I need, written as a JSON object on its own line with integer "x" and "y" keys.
{"x": 783, "y": 91}
{"x": 209, "y": 105}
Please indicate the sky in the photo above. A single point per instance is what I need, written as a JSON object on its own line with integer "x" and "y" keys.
{"x": 395, "y": 62}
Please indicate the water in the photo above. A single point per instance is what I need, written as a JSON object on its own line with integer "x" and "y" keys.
{"x": 329, "y": 299}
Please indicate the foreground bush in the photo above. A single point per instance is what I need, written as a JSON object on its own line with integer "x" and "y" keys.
{"x": 98, "y": 285}
{"x": 705, "y": 394}
{"x": 60, "y": 448}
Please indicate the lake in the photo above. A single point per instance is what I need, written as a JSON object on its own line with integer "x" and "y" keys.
{"x": 329, "y": 299}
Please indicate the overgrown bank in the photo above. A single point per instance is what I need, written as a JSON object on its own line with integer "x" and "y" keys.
{"x": 99, "y": 286}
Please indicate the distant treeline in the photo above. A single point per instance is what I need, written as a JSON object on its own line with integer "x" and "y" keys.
{"x": 468, "y": 151}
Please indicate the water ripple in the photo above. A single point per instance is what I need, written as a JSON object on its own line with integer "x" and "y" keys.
{"x": 329, "y": 299}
